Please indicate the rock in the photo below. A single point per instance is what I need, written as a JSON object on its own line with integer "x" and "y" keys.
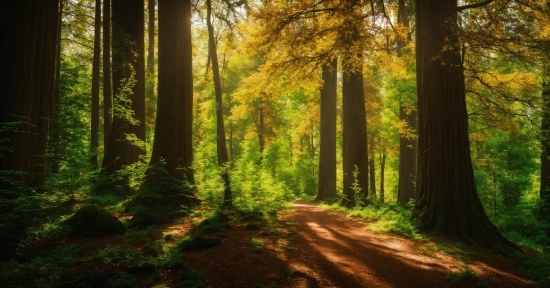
{"x": 92, "y": 221}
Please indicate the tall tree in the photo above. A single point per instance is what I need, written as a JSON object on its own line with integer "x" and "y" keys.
{"x": 326, "y": 185}
{"x": 447, "y": 203}
{"x": 128, "y": 131}
{"x": 107, "y": 87}
{"x": 220, "y": 128}
{"x": 29, "y": 33}
{"x": 150, "y": 84}
{"x": 545, "y": 146}
{"x": 94, "y": 142}
{"x": 172, "y": 142}
{"x": 29, "y": 40}
{"x": 407, "y": 114}
{"x": 354, "y": 116}
{"x": 53, "y": 164}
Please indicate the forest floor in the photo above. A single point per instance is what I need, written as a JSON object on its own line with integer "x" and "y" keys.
{"x": 312, "y": 247}
{"x": 303, "y": 246}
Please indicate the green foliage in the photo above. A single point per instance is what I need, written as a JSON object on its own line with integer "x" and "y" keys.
{"x": 385, "y": 218}
{"x": 257, "y": 244}
{"x": 466, "y": 275}
{"x": 360, "y": 199}
{"x": 198, "y": 242}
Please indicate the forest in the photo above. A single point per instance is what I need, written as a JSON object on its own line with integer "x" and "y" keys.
{"x": 275, "y": 143}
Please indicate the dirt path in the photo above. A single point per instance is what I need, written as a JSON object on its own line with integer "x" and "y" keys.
{"x": 311, "y": 247}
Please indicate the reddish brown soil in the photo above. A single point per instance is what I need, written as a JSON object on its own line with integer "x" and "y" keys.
{"x": 312, "y": 247}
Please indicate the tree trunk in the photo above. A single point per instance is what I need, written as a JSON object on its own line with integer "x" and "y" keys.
{"x": 354, "y": 116}
{"x": 372, "y": 170}
{"x": 150, "y": 85}
{"x": 28, "y": 60}
{"x": 407, "y": 145}
{"x": 382, "y": 167}
{"x": 29, "y": 34}
{"x": 55, "y": 147}
{"x": 220, "y": 131}
{"x": 326, "y": 187}
{"x": 175, "y": 92}
{"x": 107, "y": 87}
{"x": 545, "y": 149}
{"x": 129, "y": 87}
{"x": 94, "y": 143}
{"x": 447, "y": 202}
{"x": 355, "y": 130}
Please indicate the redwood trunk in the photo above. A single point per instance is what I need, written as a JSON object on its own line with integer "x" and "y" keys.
{"x": 172, "y": 130}
{"x": 94, "y": 143}
{"x": 447, "y": 203}
{"x": 354, "y": 115}
{"x": 326, "y": 187}
{"x": 128, "y": 71}
{"x": 407, "y": 145}
{"x": 545, "y": 153}
{"x": 107, "y": 87}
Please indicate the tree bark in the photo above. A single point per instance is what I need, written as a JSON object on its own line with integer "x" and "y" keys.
{"x": 545, "y": 148}
{"x": 220, "y": 131}
{"x": 382, "y": 171}
{"x": 94, "y": 142}
{"x": 107, "y": 87}
{"x": 326, "y": 185}
{"x": 173, "y": 133}
{"x": 372, "y": 170}
{"x": 447, "y": 203}
{"x": 407, "y": 145}
{"x": 54, "y": 145}
{"x": 129, "y": 87}
{"x": 355, "y": 130}
{"x": 150, "y": 86}
{"x": 354, "y": 114}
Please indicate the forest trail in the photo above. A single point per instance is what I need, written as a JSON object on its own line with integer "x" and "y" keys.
{"x": 313, "y": 247}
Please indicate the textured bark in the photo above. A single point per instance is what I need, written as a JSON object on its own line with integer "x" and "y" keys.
{"x": 128, "y": 67}
{"x": 55, "y": 147}
{"x": 94, "y": 142}
{"x": 545, "y": 149}
{"x": 29, "y": 33}
{"x": 355, "y": 135}
{"x": 107, "y": 87}
{"x": 382, "y": 169}
{"x": 172, "y": 140}
{"x": 447, "y": 203}
{"x": 326, "y": 185}
{"x": 372, "y": 170}
{"x": 150, "y": 87}
{"x": 220, "y": 128}
{"x": 354, "y": 113}
{"x": 407, "y": 145}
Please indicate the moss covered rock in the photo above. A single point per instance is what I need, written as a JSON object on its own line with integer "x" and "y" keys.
{"x": 92, "y": 221}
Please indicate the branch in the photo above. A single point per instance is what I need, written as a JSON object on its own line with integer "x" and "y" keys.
{"x": 475, "y": 5}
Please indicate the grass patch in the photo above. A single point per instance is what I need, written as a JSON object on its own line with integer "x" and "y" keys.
{"x": 466, "y": 275}
{"x": 384, "y": 218}
{"x": 257, "y": 244}
{"x": 197, "y": 243}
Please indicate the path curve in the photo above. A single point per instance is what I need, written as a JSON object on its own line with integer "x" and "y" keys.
{"x": 318, "y": 248}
